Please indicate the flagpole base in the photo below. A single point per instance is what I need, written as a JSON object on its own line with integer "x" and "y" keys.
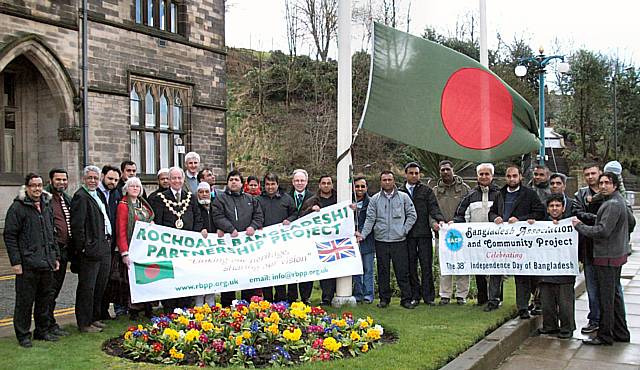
{"x": 338, "y": 302}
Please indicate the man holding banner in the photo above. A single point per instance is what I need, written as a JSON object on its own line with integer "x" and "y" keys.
{"x": 516, "y": 202}
{"x": 177, "y": 208}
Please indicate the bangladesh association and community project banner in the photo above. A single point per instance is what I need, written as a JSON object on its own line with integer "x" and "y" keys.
{"x": 170, "y": 263}
{"x": 485, "y": 248}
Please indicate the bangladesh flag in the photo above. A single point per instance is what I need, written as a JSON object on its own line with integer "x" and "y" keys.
{"x": 434, "y": 98}
{"x": 154, "y": 271}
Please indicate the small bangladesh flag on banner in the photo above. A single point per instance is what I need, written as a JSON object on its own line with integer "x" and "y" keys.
{"x": 431, "y": 97}
{"x": 154, "y": 271}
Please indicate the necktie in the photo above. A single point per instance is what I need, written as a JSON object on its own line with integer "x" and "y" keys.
{"x": 178, "y": 197}
{"x": 67, "y": 215}
{"x": 411, "y": 191}
{"x": 300, "y": 197}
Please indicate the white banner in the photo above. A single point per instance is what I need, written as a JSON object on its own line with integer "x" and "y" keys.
{"x": 484, "y": 248}
{"x": 171, "y": 263}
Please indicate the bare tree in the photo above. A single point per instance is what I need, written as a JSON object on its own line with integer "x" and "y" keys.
{"x": 319, "y": 19}
{"x": 293, "y": 32}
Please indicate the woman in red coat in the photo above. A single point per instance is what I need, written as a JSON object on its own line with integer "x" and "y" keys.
{"x": 133, "y": 207}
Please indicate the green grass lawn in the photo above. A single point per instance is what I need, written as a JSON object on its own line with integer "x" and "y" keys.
{"x": 429, "y": 337}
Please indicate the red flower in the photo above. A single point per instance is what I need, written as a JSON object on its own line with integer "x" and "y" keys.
{"x": 157, "y": 347}
{"x": 256, "y": 299}
{"x": 347, "y": 315}
{"x": 132, "y": 328}
{"x": 145, "y": 337}
{"x": 317, "y": 343}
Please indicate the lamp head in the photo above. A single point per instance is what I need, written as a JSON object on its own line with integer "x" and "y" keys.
{"x": 563, "y": 67}
{"x": 521, "y": 71}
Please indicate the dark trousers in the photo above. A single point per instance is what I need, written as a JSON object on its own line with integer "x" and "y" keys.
{"x": 558, "y": 305}
{"x": 421, "y": 250}
{"x": 93, "y": 276}
{"x": 32, "y": 287}
{"x": 305, "y": 289}
{"x": 58, "y": 281}
{"x": 482, "y": 284}
{"x": 613, "y": 324}
{"x": 524, "y": 287}
{"x": 168, "y": 305}
{"x": 246, "y": 294}
{"x": 226, "y": 298}
{"x": 495, "y": 289}
{"x": 281, "y": 293}
{"x": 328, "y": 287}
{"x": 395, "y": 252}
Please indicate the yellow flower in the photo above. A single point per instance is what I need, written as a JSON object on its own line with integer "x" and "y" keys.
{"x": 364, "y": 324}
{"x": 140, "y": 327}
{"x": 331, "y": 345}
{"x": 246, "y": 334}
{"x": 244, "y": 310}
{"x": 191, "y": 335}
{"x": 339, "y": 323}
{"x": 273, "y": 328}
{"x": 373, "y": 334}
{"x": 355, "y": 336}
{"x": 206, "y": 309}
{"x": 183, "y": 320}
{"x": 171, "y": 333}
{"x": 199, "y": 317}
{"x": 235, "y": 314}
{"x": 292, "y": 335}
{"x": 238, "y": 340}
{"x": 253, "y": 306}
{"x": 264, "y": 305}
{"x": 207, "y": 326}
{"x": 365, "y": 348}
{"x": 300, "y": 314}
{"x": 298, "y": 306}
{"x": 175, "y": 354}
{"x": 273, "y": 318}
{"x": 128, "y": 335}
{"x": 369, "y": 320}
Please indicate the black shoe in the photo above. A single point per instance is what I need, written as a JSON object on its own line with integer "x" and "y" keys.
{"x": 58, "y": 332}
{"x": 25, "y": 343}
{"x": 383, "y": 304}
{"x": 444, "y": 301}
{"x": 591, "y": 328}
{"x": 490, "y": 307}
{"x": 597, "y": 341}
{"x": 548, "y": 332}
{"x": 407, "y": 305}
{"x": 325, "y": 303}
{"x": 524, "y": 314}
{"x": 565, "y": 335}
{"x": 430, "y": 303}
{"x": 537, "y": 311}
{"x": 461, "y": 301}
{"x": 48, "y": 337}
{"x": 415, "y": 302}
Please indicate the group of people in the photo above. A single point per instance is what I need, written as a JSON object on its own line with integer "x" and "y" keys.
{"x": 46, "y": 230}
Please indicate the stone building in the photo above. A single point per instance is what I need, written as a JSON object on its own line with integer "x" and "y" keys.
{"x": 155, "y": 79}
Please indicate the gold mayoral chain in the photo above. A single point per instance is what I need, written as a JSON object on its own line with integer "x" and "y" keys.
{"x": 181, "y": 204}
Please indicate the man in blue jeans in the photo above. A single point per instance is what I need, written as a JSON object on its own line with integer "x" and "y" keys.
{"x": 363, "y": 284}
{"x": 586, "y": 209}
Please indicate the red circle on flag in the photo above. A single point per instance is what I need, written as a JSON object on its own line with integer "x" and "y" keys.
{"x": 476, "y": 109}
{"x": 152, "y": 271}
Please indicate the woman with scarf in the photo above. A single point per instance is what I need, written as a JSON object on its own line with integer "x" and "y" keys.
{"x": 133, "y": 207}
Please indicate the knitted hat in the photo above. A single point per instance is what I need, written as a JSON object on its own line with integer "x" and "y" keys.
{"x": 613, "y": 166}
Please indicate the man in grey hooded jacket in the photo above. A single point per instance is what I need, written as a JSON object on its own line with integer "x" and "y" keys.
{"x": 390, "y": 216}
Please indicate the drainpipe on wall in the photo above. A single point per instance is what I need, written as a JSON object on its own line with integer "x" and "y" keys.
{"x": 85, "y": 87}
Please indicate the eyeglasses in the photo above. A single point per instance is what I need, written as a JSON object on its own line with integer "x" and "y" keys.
{"x": 360, "y": 186}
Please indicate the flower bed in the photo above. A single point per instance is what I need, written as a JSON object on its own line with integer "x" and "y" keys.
{"x": 256, "y": 333}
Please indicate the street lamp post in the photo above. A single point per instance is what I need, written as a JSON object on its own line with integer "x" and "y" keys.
{"x": 539, "y": 62}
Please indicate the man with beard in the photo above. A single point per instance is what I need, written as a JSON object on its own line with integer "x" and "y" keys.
{"x": 61, "y": 207}
{"x": 163, "y": 182}
{"x": 558, "y": 185}
{"x": 363, "y": 289}
{"x": 204, "y": 204}
{"x": 516, "y": 202}
{"x": 128, "y": 169}
{"x": 236, "y": 211}
{"x": 178, "y": 209}
{"x": 34, "y": 255}
{"x": 420, "y": 240}
{"x": 114, "y": 292}
{"x": 475, "y": 208}
{"x": 277, "y": 207}
{"x": 92, "y": 231}
{"x": 541, "y": 182}
{"x": 207, "y": 175}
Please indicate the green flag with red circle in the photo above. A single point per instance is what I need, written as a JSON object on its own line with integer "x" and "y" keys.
{"x": 149, "y": 272}
{"x": 431, "y": 97}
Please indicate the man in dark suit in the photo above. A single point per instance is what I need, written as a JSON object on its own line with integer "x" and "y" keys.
{"x": 91, "y": 230}
{"x": 110, "y": 196}
{"x": 178, "y": 209}
{"x": 515, "y": 202}
{"x": 300, "y": 194}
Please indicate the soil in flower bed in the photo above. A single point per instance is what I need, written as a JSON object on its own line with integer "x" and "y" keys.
{"x": 113, "y": 347}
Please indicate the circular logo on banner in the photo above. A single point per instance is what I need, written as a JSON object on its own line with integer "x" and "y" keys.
{"x": 453, "y": 240}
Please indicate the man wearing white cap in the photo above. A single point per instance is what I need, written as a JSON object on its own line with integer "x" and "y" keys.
{"x": 204, "y": 204}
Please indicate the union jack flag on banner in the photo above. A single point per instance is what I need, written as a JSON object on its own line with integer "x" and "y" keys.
{"x": 335, "y": 250}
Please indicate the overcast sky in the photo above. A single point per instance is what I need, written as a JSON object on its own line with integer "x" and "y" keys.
{"x": 605, "y": 26}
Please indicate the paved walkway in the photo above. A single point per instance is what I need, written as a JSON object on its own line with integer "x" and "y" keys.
{"x": 549, "y": 353}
